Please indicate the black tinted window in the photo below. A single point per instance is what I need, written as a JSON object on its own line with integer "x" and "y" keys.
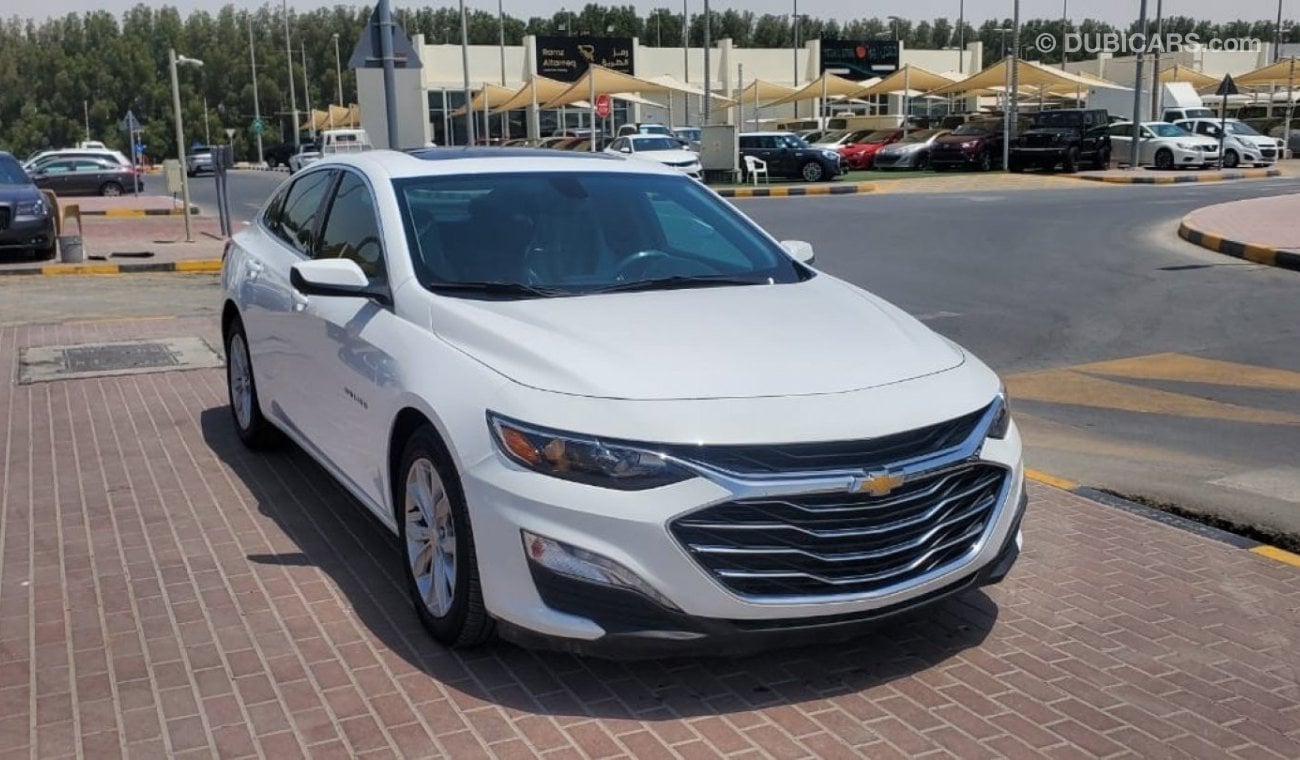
{"x": 298, "y": 217}
{"x": 749, "y": 142}
{"x": 351, "y": 231}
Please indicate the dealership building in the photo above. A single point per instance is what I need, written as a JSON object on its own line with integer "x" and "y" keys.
{"x": 428, "y": 97}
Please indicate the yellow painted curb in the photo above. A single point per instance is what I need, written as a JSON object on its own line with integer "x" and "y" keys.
{"x": 1281, "y": 555}
{"x": 1050, "y": 480}
{"x": 80, "y": 269}
{"x": 201, "y": 265}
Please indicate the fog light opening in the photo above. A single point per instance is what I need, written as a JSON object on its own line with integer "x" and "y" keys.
{"x": 580, "y": 564}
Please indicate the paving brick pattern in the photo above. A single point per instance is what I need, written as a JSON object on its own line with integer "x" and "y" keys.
{"x": 164, "y": 593}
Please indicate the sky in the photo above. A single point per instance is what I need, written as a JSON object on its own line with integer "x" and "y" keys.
{"x": 1114, "y": 11}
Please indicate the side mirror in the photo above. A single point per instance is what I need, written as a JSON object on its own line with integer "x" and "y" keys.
{"x": 624, "y": 150}
{"x": 801, "y": 251}
{"x": 330, "y": 277}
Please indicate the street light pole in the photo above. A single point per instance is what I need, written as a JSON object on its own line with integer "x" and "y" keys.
{"x": 795, "y": 82}
{"x": 961, "y": 36}
{"x": 1155, "y": 61}
{"x": 1277, "y": 36}
{"x": 1065, "y": 5}
{"x": 501, "y": 29}
{"x": 288, "y": 56}
{"x": 1137, "y": 93}
{"x": 708, "y": 44}
{"x": 338, "y": 68}
{"x": 180, "y": 135}
{"x": 257, "y": 108}
{"x": 464, "y": 62}
{"x": 306, "y": 91}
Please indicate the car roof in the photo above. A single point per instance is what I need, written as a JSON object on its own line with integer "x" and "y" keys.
{"x": 427, "y": 162}
{"x": 765, "y": 134}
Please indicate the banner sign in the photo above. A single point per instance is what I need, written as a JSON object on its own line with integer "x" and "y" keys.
{"x": 566, "y": 58}
{"x": 859, "y": 60}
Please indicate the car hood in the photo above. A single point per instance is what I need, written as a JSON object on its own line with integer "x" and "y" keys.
{"x": 951, "y": 140}
{"x": 815, "y": 337}
{"x": 901, "y": 147}
{"x": 19, "y": 193}
{"x": 667, "y": 156}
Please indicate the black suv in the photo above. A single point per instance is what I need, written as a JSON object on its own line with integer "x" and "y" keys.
{"x": 1064, "y": 137}
{"x": 787, "y": 155}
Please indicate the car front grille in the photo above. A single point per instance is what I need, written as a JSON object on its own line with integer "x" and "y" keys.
{"x": 1268, "y": 152}
{"x": 870, "y": 453}
{"x": 831, "y": 544}
{"x": 1036, "y": 141}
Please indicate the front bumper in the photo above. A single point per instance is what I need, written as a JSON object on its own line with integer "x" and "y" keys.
{"x": 27, "y": 233}
{"x": 954, "y": 158}
{"x": 637, "y": 627}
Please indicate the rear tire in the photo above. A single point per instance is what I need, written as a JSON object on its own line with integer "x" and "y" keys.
{"x": 1231, "y": 160}
{"x": 437, "y": 545}
{"x": 245, "y": 409}
{"x": 1102, "y": 160}
{"x": 110, "y": 189}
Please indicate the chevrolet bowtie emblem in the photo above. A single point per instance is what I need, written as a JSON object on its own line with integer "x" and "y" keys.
{"x": 877, "y": 483}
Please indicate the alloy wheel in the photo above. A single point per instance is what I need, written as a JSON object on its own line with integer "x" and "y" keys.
{"x": 241, "y": 382}
{"x": 430, "y": 537}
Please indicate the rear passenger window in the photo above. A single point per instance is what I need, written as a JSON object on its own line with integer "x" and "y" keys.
{"x": 297, "y": 225}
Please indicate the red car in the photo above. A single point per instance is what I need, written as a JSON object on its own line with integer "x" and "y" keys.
{"x": 858, "y": 155}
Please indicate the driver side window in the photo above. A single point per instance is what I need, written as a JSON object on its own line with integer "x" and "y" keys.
{"x": 352, "y": 230}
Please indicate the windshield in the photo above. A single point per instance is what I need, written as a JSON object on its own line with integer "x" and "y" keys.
{"x": 11, "y": 173}
{"x": 879, "y": 136}
{"x": 922, "y": 136}
{"x": 831, "y": 137}
{"x": 655, "y": 143}
{"x": 793, "y": 141}
{"x": 971, "y": 129}
{"x": 1058, "y": 119}
{"x": 569, "y": 233}
{"x": 1238, "y": 128}
{"x": 1167, "y": 130}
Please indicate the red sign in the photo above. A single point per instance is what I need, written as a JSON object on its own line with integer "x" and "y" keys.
{"x": 602, "y": 106}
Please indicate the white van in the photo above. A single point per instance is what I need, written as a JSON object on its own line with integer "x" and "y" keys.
{"x": 344, "y": 141}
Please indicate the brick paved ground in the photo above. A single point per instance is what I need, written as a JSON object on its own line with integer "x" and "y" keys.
{"x": 165, "y": 593}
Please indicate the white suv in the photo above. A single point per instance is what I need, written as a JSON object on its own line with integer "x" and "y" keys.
{"x": 604, "y": 411}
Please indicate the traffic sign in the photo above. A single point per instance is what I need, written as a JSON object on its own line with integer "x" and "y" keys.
{"x": 139, "y": 149}
{"x": 602, "y": 106}
{"x": 258, "y": 126}
{"x": 1226, "y": 87}
{"x": 129, "y": 123}
{"x": 230, "y": 134}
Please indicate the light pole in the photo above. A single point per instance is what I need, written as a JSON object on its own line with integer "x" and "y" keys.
{"x": 896, "y": 20}
{"x": 464, "y": 62}
{"x": 1065, "y": 27}
{"x": 961, "y": 35}
{"x": 1137, "y": 94}
{"x": 501, "y": 30}
{"x": 795, "y": 82}
{"x": 306, "y": 91}
{"x": 173, "y": 60}
{"x": 1277, "y": 37}
{"x": 257, "y": 108}
{"x": 338, "y": 68}
{"x": 1155, "y": 62}
{"x": 207, "y": 127}
{"x": 708, "y": 44}
{"x": 1003, "y": 31}
{"x": 288, "y": 57}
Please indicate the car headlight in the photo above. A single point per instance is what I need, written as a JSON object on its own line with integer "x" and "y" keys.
{"x": 1280, "y": 143}
{"x": 1186, "y": 146}
{"x": 970, "y": 144}
{"x": 31, "y": 208}
{"x": 584, "y": 459}
{"x": 830, "y": 154}
{"x": 1002, "y": 418}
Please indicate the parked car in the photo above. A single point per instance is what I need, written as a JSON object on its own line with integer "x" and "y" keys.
{"x": 1172, "y": 115}
{"x": 278, "y": 155}
{"x": 972, "y": 145}
{"x": 552, "y": 378}
{"x": 1164, "y": 145}
{"x": 333, "y": 141}
{"x": 861, "y": 153}
{"x": 1241, "y": 143}
{"x": 87, "y": 176}
{"x": 664, "y": 150}
{"x": 811, "y": 136}
{"x": 788, "y": 156}
{"x": 47, "y": 156}
{"x": 1069, "y": 138}
{"x": 26, "y": 218}
{"x": 689, "y": 137}
{"x": 306, "y": 155}
{"x": 199, "y": 160}
{"x": 836, "y": 140}
{"x": 643, "y": 129}
{"x": 1292, "y": 140}
{"x": 911, "y": 152}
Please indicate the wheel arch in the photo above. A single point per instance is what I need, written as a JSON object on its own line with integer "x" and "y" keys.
{"x": 407, "y": 420}
{"x": 229, "y": 313}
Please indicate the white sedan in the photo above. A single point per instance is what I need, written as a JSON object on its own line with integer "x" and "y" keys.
{"x": 1163, "y": 145}
{"x": 604, "y": 411}
{"x": 668, "y": 151}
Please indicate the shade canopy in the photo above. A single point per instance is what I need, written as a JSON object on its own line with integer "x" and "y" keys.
{"x": 599, "y": 80}
{"x": 523, "y": 97}
{"x": 763, "y": 91}
{"x": 824, "y": 86}
{"x": 1027, "y": 73}
{"x": 1286, "y": 70}
{"x": 1181, "y": 73}
{"x": 676, "y": 85}
{"x": 495, "y": 95}
{"x": 336, "y": 117}
{"x": 911, "y": 78}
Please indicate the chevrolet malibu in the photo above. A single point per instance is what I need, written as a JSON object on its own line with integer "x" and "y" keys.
{"x": 603, "y": 411}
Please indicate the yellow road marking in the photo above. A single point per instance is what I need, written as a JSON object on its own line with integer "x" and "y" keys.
{"x": 202, "y": 265}
{"x": 1194, "y": 369}
{"x": 1079, "y": 389}
{"x": 1051, "y": 480}
{"x": 80, "y": 269}
{"x": 1281, "y": 555}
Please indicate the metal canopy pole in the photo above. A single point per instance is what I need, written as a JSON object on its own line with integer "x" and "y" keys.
{"x": 464, "y": 62}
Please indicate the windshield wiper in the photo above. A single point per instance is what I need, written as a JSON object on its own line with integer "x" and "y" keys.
{"x": 495, "y": 288}
{"x": 679, "y": 281}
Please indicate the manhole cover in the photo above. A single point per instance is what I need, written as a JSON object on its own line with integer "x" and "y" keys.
{"x": 45, "y": 363}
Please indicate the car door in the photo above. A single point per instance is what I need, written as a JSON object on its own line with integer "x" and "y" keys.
{"x": 1121, "y": 140}
{"x": 286, "y": 235}
{"x": 768, "y": 149}
{"x": 349, "y": 344}
{"x": 54, "y": 175}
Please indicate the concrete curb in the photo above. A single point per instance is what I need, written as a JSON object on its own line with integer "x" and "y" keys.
{"x": 136, "y": 213}
{"x": 1258, "y": 254}
{"x": 193, "y": 266}
{"x": 1167, "y": 518}
{"x": 1174, "y": 179}
{"x": 798, "y": 191}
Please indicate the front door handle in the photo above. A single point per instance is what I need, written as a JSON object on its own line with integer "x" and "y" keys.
{"x": 253, "y": 268}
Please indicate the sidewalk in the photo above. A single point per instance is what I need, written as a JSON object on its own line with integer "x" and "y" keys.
{"x": 119, "y": 245}
{"x": 1262, "y": 230}
{"x": 126, "y": 205}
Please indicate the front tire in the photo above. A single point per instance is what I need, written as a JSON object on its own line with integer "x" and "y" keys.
{"x": 245, "y": 410}
{"x": 812, "y": 172}
{"x": 441, "y": 567}
{"x": 110, "y": 190}
{"x": 985, "y": 161}
{"x": 1164, "y": 159}
{"x": 1071, "y": 162}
